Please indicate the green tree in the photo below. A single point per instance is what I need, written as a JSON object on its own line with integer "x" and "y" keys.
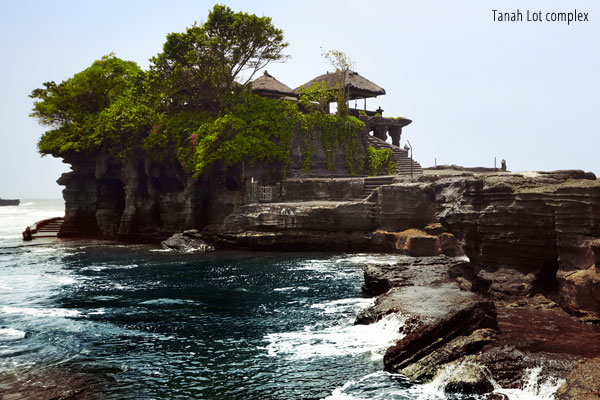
{"x": 200, "y": 68}
{"x": 95, "y": 108}
{"x": 343, "y": 65}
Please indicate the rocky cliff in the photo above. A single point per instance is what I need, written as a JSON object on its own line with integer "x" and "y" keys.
{"x": 524, "y": 234}
{"x": 138, "y": 199}
{"x": 528, "y": 234}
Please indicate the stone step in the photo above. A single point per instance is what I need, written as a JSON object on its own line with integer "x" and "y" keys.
{"x": 375, "y": 182}
{"x": 46, "y": 228}
{"x": 400, "y": 157}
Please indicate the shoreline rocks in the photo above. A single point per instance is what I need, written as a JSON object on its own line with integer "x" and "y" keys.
{"x": 188, "y": 241}
{"x": 449, "y": 329}
{"x": 443, "y": 322}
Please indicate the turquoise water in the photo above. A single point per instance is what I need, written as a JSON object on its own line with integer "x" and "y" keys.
{"x": 98, "y": 320}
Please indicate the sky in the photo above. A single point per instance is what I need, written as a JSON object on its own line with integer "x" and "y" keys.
{"x": 475, "y": 88}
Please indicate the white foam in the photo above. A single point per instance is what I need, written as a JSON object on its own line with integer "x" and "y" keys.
{"x": 336, "y": 340}
{"x": 435, "y": 388}
{"x": 166, "y": 301}
{"x": 292, "y": 289}
{"x": 98, "y": 311}
{"x": 11, "y": 333}
{"x": 374, "y": 386}
{"x": 64, "y": 279}
{"x": 44, "y": 250}
{"x": 344, "y": 305}
{"x": 535, "y": 388}
{"x": 40, "y": 312}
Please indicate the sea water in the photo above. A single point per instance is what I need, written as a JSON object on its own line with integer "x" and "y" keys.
{"x": 102, "y": 320}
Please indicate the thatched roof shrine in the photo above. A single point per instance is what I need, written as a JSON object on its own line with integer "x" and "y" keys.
{"x": 268, "y": 86}
{"x": 358, "y": 86}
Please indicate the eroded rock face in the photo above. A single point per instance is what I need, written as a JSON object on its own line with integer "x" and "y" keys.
{"x": 106, "y": 198}
{"x": 526, "y": 234}
{"x": 417, "y": 243}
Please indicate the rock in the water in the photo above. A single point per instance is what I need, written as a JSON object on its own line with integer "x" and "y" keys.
{"x": 465, "y": 377}
{"x": 444, "y": 323}
{"x": 187, "y": 241}
{"x": 583, "y": 383}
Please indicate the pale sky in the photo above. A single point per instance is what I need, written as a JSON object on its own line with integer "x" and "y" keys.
{"x": 475, "y": 89}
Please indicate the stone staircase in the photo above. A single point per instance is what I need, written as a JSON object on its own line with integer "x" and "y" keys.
{"x": 374, "y": 182}
{"x": 45, "y": 228}
{"x": 403, "y": 162}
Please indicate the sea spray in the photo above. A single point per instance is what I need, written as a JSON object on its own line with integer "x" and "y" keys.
{"x": 337, "y": 340}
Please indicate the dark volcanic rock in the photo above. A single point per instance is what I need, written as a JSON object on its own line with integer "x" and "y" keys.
{"x": 466, "y": 377}
{"x": 188, "y": 241}
{"x": 528, "y": 233}
{"x": 138, "y": 199}
{"x": 292, "y": 240}
{"x": 419, "y": 271}
{"x": 447, "y": 324}
{"x": 443, "y": 322}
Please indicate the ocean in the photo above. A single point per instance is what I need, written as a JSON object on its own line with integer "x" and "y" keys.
{"x": 102, "y": 320}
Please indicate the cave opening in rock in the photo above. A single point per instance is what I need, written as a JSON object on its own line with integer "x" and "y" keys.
{"x": 546, "y": 282}
{"x": 111, "y": 204}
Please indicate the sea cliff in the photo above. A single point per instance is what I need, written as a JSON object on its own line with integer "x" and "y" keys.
{"x": 530, "y": 240}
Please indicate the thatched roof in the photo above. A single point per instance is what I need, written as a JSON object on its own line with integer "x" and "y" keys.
{"x": 359, "y": 86}
{"x": 266, "y": 85}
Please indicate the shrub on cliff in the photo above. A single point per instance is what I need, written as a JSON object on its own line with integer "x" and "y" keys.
{"x": 79, "y": 108}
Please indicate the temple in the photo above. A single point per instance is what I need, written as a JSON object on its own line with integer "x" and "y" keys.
{"x": 378, "y": 129}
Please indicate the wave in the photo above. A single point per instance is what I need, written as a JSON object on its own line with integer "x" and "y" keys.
{"x": 166, "y": 301}
{"x": 344, "y": 305}
{"x": 11, "y": 333}
{"x": 380, "y": 385}
{"x": 535, "y": 388}
{"x": 336, "y": 340}
{"x": 40, "y": 312}
{"x": 292, "y": 289}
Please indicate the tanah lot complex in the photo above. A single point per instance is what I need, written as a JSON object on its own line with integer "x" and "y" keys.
{"x": 189, "y": 155}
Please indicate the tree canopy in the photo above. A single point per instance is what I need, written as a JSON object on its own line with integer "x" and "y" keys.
{"x": 194, "y": 104}
{"x": 200, "y": 68}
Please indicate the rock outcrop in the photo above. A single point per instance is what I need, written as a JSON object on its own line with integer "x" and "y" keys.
{"x": 462, "y": 341}
{"x": 141, "y": 200}
{"x": 188, "y": 241}
{"x": 443, "y": 322}
{"x": 527, "y": 234}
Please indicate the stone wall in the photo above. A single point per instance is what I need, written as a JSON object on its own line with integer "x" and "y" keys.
{"x": 321, "y": 189}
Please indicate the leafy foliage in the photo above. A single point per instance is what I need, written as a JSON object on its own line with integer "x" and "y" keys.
{"x": 254, "y": 128}
{"x": 93, "y": 109}
{"x": 378, "y": 159}
{"x": 199, "y": 69}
